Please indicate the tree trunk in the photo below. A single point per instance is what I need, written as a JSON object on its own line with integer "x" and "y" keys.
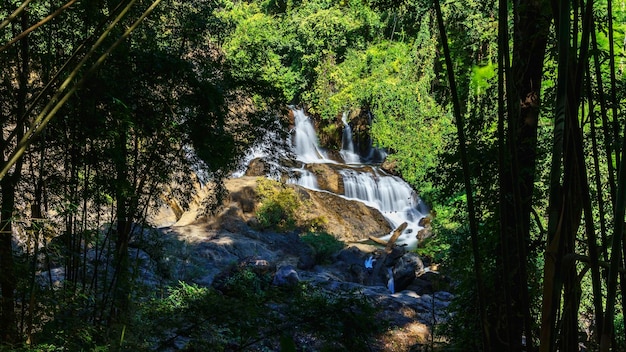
{"x": 8, "y": 328}
{"x": 471, "y": 209}
{"x": 8, "y": 184}
{"x": 567, "y": 199}
{"x": 531, "y": 29}
{"x": 123, "y": 193}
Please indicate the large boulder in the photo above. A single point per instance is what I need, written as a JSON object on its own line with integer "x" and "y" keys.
{"x": 328, "y": 178}
{"x": 286, "y": 276}
{"x": 347, "y": 220}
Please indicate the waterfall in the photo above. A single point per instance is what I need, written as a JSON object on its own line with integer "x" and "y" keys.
{"x": 304, "y": 139}
{"x": 347, "y": 144}
{"x": 391, "y": 195}
{"x": 305, "y": 178}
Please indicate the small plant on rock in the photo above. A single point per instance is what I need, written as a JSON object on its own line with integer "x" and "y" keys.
{"x": 278, "y": 206}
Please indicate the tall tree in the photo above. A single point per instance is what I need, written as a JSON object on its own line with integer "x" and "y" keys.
{"x": 531, "y": 28}
{"x": 15, "y": 87}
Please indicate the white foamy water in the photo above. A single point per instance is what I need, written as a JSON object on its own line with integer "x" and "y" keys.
{"x": 391, "y": 195}
{"x": 304, "y": 140}
{"x": 304, "y": 178}
{"x": 347, "y": 143}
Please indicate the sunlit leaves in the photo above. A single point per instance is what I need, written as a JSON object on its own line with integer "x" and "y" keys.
{"x": 395, "y": 81}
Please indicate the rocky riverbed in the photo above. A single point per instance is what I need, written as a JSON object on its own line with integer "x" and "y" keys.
{"x": 199, "y": 249}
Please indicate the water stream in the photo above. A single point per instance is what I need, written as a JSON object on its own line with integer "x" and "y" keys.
{"x": 391, "y": 195}
{"x": 347, "y": 143}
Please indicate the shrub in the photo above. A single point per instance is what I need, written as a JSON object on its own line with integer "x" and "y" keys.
{"x": 278, "y": 205}
{"x": 434, "y": 249}
{"x": 324, "y": 245}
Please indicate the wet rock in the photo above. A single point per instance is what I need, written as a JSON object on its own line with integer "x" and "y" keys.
{"x": 257, "y": 167}
{"x": 390, "y": 166}
{"x": 328, "y": 178}
{"x": 286, "y": 276}
{"x": 405, "y": 270}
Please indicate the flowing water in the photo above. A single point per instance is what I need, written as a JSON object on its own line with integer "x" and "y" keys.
{"x": 304, "y": 140}
{"x": 347, "y": 143}
{"x": 391, "y": 195}
{"x": 363, "y": 179}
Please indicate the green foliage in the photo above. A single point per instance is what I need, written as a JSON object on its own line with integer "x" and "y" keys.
{"x": 256, "y": 49}
{"x": 619, "y": 331}
{"x": 35, "y": 348}
{"x": 176, "y": 86}
{"x": 68, "y": 331}
{"x": 394, "y": 79}
{"x": 344, "y": 321}
{"x": 324, "y": 245}
{"x": 280, "y": 45}
{"x": 435, "y": 249}
{"x": 316, "y": 223}
{"x": 278, "y": 205}
{"x": 250, "y": 317}
{"x": 482, "y": 78}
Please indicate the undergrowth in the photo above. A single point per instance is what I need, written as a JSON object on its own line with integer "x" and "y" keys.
{"x": 245, "y": 313}
{"x": 324, "y": 245}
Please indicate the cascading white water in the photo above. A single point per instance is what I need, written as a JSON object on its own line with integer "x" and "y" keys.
{"x": 391, "y": 195}
{"x": 305, "y": 178}
{"x": 304, "y": 139}
{"x": 347, "y": 144}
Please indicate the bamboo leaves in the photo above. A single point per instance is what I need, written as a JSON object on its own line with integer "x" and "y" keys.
{"x": 61, "y": 95}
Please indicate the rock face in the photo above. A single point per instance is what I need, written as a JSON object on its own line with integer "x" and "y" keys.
{"x": 328, "y": 178}
{"x": 347, "y": 220}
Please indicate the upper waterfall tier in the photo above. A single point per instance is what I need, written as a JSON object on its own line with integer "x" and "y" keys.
{"x": 304, "y": 139}
{"x": 347, "y": 143}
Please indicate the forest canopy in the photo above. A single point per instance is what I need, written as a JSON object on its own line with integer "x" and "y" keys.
{"x": 506, "y": 116}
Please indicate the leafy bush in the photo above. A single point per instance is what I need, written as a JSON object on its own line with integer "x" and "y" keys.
{"x": 72, "y": 327}
{"x": 278, "y": 205}
{"x": 434, "y": 249}
{"x": 324, "y": 245}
